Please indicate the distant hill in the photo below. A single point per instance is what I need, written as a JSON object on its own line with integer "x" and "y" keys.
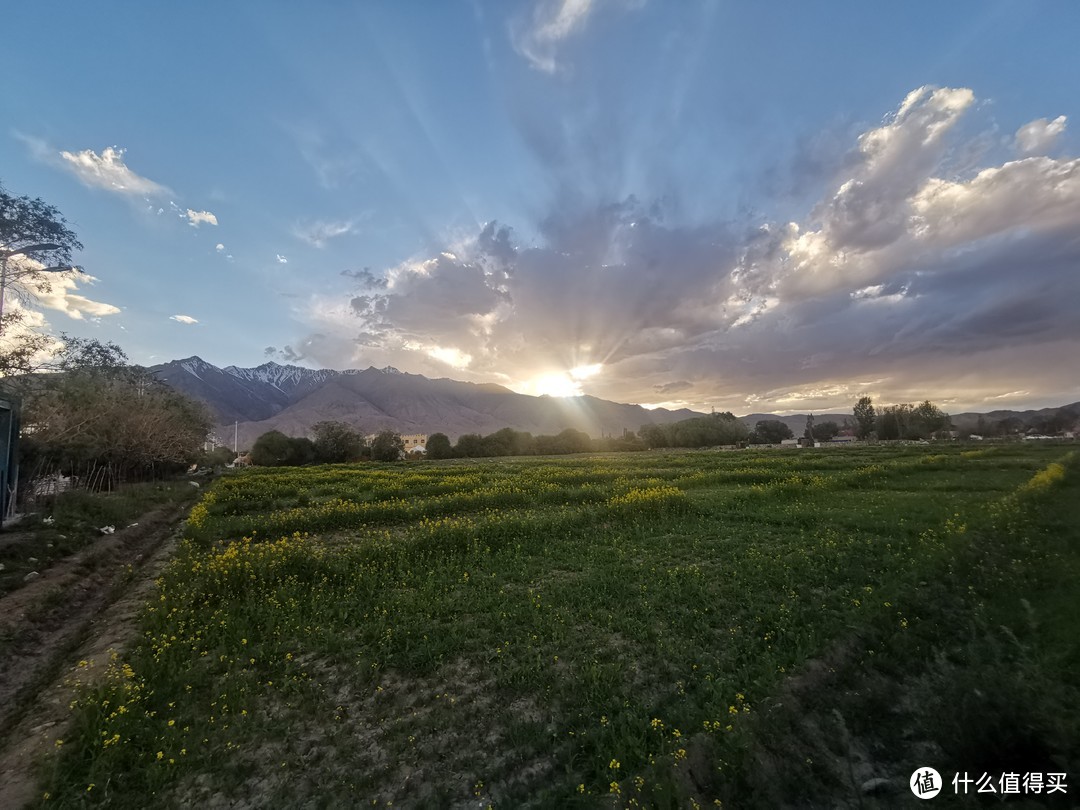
{"x": 291, "y": 399}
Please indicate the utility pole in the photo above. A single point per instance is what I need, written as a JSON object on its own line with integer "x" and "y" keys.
{"x": 235, "y": 428}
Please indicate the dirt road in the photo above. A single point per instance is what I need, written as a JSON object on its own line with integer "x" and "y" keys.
{"x": 77, "y": 610}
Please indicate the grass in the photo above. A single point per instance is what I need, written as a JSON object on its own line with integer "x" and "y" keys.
{"x": 577, "y": 632}
{"x": 34, "y": 545}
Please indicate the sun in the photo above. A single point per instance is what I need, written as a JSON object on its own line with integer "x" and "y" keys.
{"x": 561, "y": 383}
{"x": 554, "y": 385}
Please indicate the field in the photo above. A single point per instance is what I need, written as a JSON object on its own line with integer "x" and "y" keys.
{"x": 681, "y": 629}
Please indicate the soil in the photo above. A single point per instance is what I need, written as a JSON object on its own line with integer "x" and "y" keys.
{"x": 79, "y": 609}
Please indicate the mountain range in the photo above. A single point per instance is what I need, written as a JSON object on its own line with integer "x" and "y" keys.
{"x": 247, "y": 402}
{"x": 251, "y": 401}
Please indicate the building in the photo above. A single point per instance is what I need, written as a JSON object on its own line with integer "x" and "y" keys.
{"x": 412, "y": 440}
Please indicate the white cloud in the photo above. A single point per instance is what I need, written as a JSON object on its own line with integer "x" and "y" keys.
{"x": 108, "y": 171}
{"x": 53, "y": 290}
{"x": 552, "y": 22}
{"x": 219, "y": 247}
{"x": 281, "y": 259}
{"x": 1039, "y": 136}
{"x": 905, "y": 274}
{"x": 185, "y": 319}
{"x": 318, "y": 233}
{"x": 197, "y": 218}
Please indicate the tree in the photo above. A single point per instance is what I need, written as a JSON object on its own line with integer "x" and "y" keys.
{"x": 469, "y": 445}
{"x": 438, "y": 446}
{"x": 654, "y": 436}
{"x": 387, "y": 446}
{"x": 275, "y": 449}
{"x": 771, "y": 431}
{"x": 928, "y": 420}
{"x": 33, "y": 236}
{"x": 336, "y": 442}
{"x": 808, "y": 433}
{"x": 271, "y": 449}
{"x": 865, "y": 416}
{"x": 97, "y": 413}
{"x": 824, "y": 431}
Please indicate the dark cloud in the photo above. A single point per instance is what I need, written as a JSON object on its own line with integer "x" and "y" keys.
{"x": 673, "y": 387}
{"x": 365, "y": 278}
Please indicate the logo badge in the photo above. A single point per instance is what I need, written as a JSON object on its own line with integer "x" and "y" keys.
{"x": 925, "y": 783}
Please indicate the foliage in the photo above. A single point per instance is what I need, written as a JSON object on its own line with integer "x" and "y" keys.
{"x": 336, "y": 442}
{"x": 275, "y": 449}
{"x": 701, "y": 431}
{"x": 911, "y": 421}
{"x": 824, "y": 431}
{"x": 218, "y": 457}
{"x": 770, "y": 431}
{"x": 387, "y": 446}
{"x": 469, "y": 445}
{"x": 562, "y": 443}
{"x": 97, "y": 412}
{"x": 866, "y": 417}
{"x": 438, "y": 446}
{"x": 25, "y": 223}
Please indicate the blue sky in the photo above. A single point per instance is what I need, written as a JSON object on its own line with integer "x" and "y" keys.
{"x": 748, "y": 206}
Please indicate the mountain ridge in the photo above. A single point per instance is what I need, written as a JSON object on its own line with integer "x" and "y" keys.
{"x": 247, "y": 402}
{"x": 272, "y": 396}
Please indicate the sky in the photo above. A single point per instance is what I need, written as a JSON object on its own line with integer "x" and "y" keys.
{"x": 754, "y": 207}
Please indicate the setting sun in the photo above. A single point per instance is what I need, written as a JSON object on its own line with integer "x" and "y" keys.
{"x": 552, "y": 385}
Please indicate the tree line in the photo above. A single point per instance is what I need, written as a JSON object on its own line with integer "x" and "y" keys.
{"x": 334, "y": 442}
{"x": 905, "y": 421}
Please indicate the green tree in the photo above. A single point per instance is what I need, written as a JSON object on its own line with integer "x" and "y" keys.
{"x": 707, "y": 431}
{"x": 865, "y": 417}
{"x": 301, "y": 451}
{"x": 469, "y": 445}
{"x": 654, "y": 436}
{"x": 271, "y": 449}
{"x": 97, "y": 413}
{"x": 927, "y": 420}
{"x": 387, "y": 446}
{"x": 438, "y": 446}
{"x": 336, "y": 442}
{"x": 824, "y": 431}
{"x": 771, "y": 431}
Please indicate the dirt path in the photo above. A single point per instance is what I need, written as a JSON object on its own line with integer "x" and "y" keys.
{"x": 78, "y": 610}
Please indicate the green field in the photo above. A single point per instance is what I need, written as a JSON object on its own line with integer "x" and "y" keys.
{"x": 648, "y": 629}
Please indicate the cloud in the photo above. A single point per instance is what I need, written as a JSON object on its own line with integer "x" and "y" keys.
{"x": 108, "y": 171}
{"x": 281, "y": 259}
{"x": 286, "y": 353}
{"x": 552, "y": 21}
{"x": 53, "y": 290}
{"x": 318, "y": 233}
{"x": 1039, "y": 136}
{"x": 197, "y": 218}
{"x": 219, "y": 247}
{"x": 673, "y": 387}
{"x": 185, "y": 319}
{"x": 904, "y": 280}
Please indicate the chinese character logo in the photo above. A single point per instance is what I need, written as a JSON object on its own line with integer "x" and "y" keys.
{"x": 925, "y": 783}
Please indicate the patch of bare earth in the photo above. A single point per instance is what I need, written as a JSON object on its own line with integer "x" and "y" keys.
{"x": 79, "y": 609}
{"x": 442, "y": 740}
